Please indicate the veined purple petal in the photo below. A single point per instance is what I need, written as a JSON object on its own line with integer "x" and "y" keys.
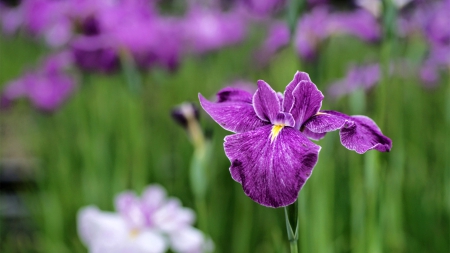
{"x": 307, "y": 102}
{"x": 323, "y": 122}
{"x": 271, "y": 170}
{"x": 266, "y": 102}
{"x": 230, "y": 94}
{"x": 285, "y": 119}
{"x": 362, "y": 135}
{"x": 288, "y": 96}
{"x": 312, "y": 135}
{"x": 232, "y": 116}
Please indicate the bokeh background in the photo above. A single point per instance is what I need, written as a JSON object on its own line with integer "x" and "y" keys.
{"x": 88, "y": 89}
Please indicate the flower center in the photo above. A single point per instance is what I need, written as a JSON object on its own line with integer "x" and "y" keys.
{"x": 134, "y": 232}
{"x": 275, "y": 131}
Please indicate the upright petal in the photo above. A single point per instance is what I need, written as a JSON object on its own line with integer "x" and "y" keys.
{"x": 361, "y": 133}
{"x": 307, "y": 102}
{"x": 128, "y": 206}
{"x": 266, "y": 102}
{"x": 288, "y": 93}
{"x": 233, "y": 116}
{"x": 153, "y": 197}
{"x": 271, "y": 170}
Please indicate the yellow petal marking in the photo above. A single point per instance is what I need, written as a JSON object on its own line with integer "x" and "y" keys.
{"x": 275, "y": 131}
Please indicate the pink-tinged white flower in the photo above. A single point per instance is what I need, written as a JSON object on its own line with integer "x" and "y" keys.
{"x": 152, "y": 223}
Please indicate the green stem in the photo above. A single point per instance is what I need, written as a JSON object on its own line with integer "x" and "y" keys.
{"x": 202, "y": 213}
{"x": 292, "y": 236}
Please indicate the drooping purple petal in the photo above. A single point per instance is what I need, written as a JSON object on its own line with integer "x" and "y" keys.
{"x": 288, "y": 96}
{"x": 271, "y": 170}
{"x": 266, "y": 102}
{"x": 232, "y": 116}
{"x": 312, "y": 135}
{"x": 362, "y": 135}
{"x": 323, "y": 122}
{"x": 307, "y": 102}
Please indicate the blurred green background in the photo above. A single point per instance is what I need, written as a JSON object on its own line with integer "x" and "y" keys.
{"x": 106, "y": 139}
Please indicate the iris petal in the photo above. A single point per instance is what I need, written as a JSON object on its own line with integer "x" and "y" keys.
{"x": 307, "y": 102}
{"x": 288, "y": 96}
{"x": 312, "y": 135}
{"x": 271, "y": 173}
{"x": 266, "y": 102}
{"x": 233, "y": 116}
{"x": 358, "y": 133}
{"x": 324, "y": 122}
{"x": 364, "y": 135}
{"x": 230, "y": 94}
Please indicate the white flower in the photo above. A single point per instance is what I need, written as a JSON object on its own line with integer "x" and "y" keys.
{"x": 150, "y": 224}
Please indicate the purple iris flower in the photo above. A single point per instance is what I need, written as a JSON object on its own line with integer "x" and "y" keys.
{"x": 270, "y": 153}
{"x": 46, "y": 88}
{"x": 10, "y": 18}
{"x": 207, "y": 30}
{"x": 278, "y": 37}
{"x": 49, "y": 19}
{"x": 94, "y": 53}
{"x": 357, "y": 77}
{"x": 264, "y": 7}
{"x": 320, "y": 24}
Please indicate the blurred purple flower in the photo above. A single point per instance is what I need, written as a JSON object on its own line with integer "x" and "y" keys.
{"x": 278, "y": 37}
{"x": 437, "y": 26}
{"x": 49, "y": 19}
{"x": 207, "y": 30}
{"x": 10, "y": 18}
{"x": 152, "y": 223}
{"x": 94, "y": 53}
{"x": 270, "y": 153}
{"x": 438, "y": 59}
{"x": 320, "y": 23}
{"x": 47, "y": 88}
{"x": 317, "y": 2}
{"x": 264, "y": 7}
{"x": 364, "y": 77}
{"x": 358, "y": 23}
